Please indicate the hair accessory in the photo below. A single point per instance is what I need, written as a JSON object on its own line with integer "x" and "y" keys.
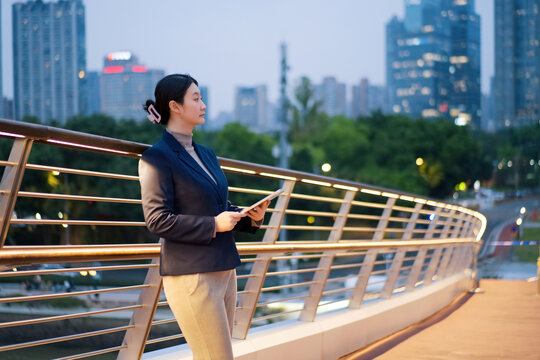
{"x": 153, "y": 114}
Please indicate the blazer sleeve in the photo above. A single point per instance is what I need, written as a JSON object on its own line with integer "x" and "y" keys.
{"x": 157, "y": 196}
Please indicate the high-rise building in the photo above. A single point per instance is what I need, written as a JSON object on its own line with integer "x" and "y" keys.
{"x": 417, "y": 60}
{"x": 8, "y": 108}
{"x": 126, "y": 85}
{"x": 368, "y": 98}
{"x": 251, "y": 107}
{"x": 360, "y": 99}
{"x": 432, "y": 61}
{"x": 378, "y": 99}
{"x": 332, "y": 96}
{"x": 517, "y": 63}
{"x": 49, "y": 59}
{"x": 465, "y": 95}
{"x": 94, "y": 98}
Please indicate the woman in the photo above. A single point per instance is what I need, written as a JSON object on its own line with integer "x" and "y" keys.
{"x": 184, "y": 199}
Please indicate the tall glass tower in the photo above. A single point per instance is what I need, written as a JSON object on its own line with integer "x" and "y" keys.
{"x": 464, "y": 66}
{"x": 417, "y": 58}
{"x": 49, "y": 59}
{"x": 517, "y": 63}
{"x": 433, "y": 61}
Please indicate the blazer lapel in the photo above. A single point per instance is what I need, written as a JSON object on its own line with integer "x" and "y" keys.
{"x": 186, "y": 158}
{"x": 216, "y": 172}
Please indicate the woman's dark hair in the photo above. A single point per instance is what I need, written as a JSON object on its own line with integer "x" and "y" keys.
{"x": 171, "y": 87}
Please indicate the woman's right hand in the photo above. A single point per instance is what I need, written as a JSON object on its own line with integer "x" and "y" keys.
{"x": 226, "y": 221}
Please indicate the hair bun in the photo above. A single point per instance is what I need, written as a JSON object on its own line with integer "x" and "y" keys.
{"x": 147, "y": 104}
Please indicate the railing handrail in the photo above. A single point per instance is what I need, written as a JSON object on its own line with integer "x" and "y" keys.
{"x": 70, "y": 138}
{"x": 406, "y": 239}
{"x": 23, "y": 255}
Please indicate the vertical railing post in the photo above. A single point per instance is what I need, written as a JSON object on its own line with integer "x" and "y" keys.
{"x": 248, "y": 300}
{"x": 398, "y": 256}
{"x": 11, "y": 183}
{"x": 358, "y": 292}
{"x": 433, "y": 265}
{"x": 416, "y": 269}
{"x": 383, "y": 221}
{"x": 433, "y": 225}
{"x": 468, "y": 223}
{"x": 407, "y": 234}
{"x": 458, "y": 226}
{"x": 468, "y": 258}
{"x": 449, "y": 220}
{"x": 462, "y": 258}
{"x": 455, "y": 261}
{"x": 475, "y": 229}
{"x": 441, "y": 272}
{"x": 320, "y": 277}
{"x": 135, "y": 338}
{"x": 393, "y": 273}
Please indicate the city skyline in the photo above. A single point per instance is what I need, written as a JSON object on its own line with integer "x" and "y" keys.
{"x": 238, "y": 44}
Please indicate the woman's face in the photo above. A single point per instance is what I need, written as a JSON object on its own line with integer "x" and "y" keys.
{"x": 193, "y": 109}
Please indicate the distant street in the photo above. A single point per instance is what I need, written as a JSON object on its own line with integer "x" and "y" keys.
{"x": 495, "y": 263}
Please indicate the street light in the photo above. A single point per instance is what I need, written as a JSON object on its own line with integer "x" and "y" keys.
{"x": 419, "y": 161}
{"x": 326, "y": 167}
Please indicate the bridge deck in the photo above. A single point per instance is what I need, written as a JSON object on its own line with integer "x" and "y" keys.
{"x": 501, "y": 323}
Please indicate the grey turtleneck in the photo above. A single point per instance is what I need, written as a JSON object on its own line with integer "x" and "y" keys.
{"x": 186, "y": 140}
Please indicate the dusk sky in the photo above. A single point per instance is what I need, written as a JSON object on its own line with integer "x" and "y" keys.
{"x": 224, "y": 44}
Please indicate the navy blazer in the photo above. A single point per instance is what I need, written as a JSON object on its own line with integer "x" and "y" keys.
{"x": 180, "y": 201}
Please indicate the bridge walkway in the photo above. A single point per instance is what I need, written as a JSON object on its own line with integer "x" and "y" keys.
{"x": 503, "y": 322}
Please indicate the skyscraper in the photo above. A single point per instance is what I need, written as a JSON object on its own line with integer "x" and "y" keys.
{"x": 93, "y": 103}
{"x": 251, "y": 107}
{"x": 368, "y": 98}
{"x": 378, "y": 99}
{"x": 332, "y": 94}
{"x": 432, "y": 61}
{"x": 126, "y": 85}
{"x": 517, "y": 63}
{"x": 49, "y": 59}
{"x": 465, "y": 95}
{"x": 360, "y": 98}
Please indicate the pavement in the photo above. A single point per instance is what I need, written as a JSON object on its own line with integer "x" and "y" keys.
{"x": 503, "y": 322}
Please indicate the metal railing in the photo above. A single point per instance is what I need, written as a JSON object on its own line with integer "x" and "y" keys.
{"x": 348, "y": 243}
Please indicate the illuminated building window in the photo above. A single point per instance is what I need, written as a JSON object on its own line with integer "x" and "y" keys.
{"x": 430, "y": 113}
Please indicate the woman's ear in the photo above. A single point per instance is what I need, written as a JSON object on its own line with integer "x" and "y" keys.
{"x": 175, "y": 107}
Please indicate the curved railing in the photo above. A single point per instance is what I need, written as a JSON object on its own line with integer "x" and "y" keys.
{"x": 327, "y": 244}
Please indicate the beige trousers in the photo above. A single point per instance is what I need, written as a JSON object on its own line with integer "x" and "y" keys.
{"x": 204, "y": 305}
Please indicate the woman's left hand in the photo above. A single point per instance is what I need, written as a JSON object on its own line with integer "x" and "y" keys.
{"x": 257, "y": 214}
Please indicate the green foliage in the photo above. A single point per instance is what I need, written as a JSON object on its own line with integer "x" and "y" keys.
{"x": 378, "y": 149}
{"x": 237, "y": 142}
{"x": 382, "y": 149}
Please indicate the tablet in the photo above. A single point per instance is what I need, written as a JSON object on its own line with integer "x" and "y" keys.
{"x": 269, "y": 197}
